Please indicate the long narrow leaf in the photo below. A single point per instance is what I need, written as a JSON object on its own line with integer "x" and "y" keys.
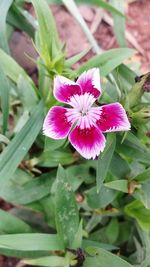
{"x": 17, "y": 18}
{"x": 12, "y": 68}
{"x": 4, "y": 7}
{"x": 10, "y": 224}
{"x": 49, "y": 45}
{"x": 19, "y": 146}
{"x": 29, "y": 245}
{"x": 104, "y": 161}
{"x": 119, "y": 23}
{"x": 99, "y": 3}
{"x": 103, "y": 4}
{"x": 31, "y": 191}
{"x": 67, "y": 217}
{"x": 4, "y": 93}
{"x": 108, "y": 60}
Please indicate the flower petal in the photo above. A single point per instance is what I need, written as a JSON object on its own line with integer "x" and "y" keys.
{"x": 88, "y": 142}
{"x": 56, "y": 125}
{"x": 90, "y": 82}
{"x": 64, "y": 89}
{"x": 113, "y": 118}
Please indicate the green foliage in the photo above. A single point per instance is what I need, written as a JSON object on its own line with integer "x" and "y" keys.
{"x": 49, "y": 46}
{"x": 4, "y": 7}
{"x": 119, "y": 22}
{"x": 104, "y": 258}
{"x": 97, "y": 205}
{"x": 66, "y": 212}
{"x": 19, "y": 146}
{"x": 21, "y": 20}
{"x": 108, "y": 61}
{"x": 4, "y": 93}
{"x": 104, "y": 161}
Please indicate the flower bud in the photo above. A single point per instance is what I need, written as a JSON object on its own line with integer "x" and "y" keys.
{"x": 141, "y": 116}
{"x": 142, "y": 85}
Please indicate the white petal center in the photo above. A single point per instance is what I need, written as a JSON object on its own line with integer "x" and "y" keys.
{"x": 83, "y": 113}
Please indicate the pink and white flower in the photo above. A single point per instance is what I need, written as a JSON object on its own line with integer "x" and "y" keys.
{"x": 83, "y": 123}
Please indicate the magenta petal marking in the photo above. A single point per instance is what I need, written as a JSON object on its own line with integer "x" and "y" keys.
{"x": 56, "y": 125}
{"x": 113, "y": 118}
{"x": 64, "y": 89}
{"x": 88, "y": 142}
{"x": 90, "y": 82}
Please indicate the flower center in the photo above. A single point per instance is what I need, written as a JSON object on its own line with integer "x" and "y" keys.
{"x": 82, "y": 112}
{"x": 82, "y": 103}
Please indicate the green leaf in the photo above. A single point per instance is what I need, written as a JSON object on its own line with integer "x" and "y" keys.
{"x": 137, "y": 211}
{"x": 101, "y": 257}
{"x": 143, "y": 194}
{"x": 132, "y": 150}
{"x": 66, "y": 212}
{"x": 77, "y": 174}
{"x": 4, "y": 93}
{"x": 101, "y": 199}
{"x": 135, "y": 141}
{"x": 119, "y": 185}
{"x": 124, "y": 75}
{"x": 18, "y": 18}
{"x": 89, "y": 243}
{"x": 19, "y": 146}
{"x": 4, "y": 7}
{"x": 143, "y": 176}
{"x": 4, "y": 139}
{"x": 26, "y": 93}
{"x": 48, "y": 36}
{"x": 72, "y": 60}
{"x": 104, "y": 161}
{"x": 77, "y": 243}
{"x": 52, "y": 144}
{"x": 119, "y": 22}
{"x": 119, "y": 167}
{"x": 51, "y": 261}
{"x": 11, "y": 68}
{"x": 112, "y": 230}
{"x": 10, "y": 224}
{"x": 103, "y": 4}
{"x": 99, "y": 3}
{"x": 108, "y": 61}
{"x": 50, "y": 159}
{"x": 29, "y": 245}
{"x": 30, "y": 191}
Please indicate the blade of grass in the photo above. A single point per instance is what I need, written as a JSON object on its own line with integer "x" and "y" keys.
{"x": 104, "y": 5}
{"x": 49, "y": 44}
{"x": 4, "y": 93}
{"x": 17, "y": 18}
{"x": 72, "y": 60}
{"x": 4, "y": 7}
{"x": 11, "y": 68}
{"x": 104, "y": 161}
{"x": 10, "y": 224}
{"x": 31, "y": 191}
{"x": 19, "y": 146}
{"x": 99, "y": 3}
{"x": 108, "y": 60}
{"x": 29, "y": 245}
{"x": 119, "y": 23}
